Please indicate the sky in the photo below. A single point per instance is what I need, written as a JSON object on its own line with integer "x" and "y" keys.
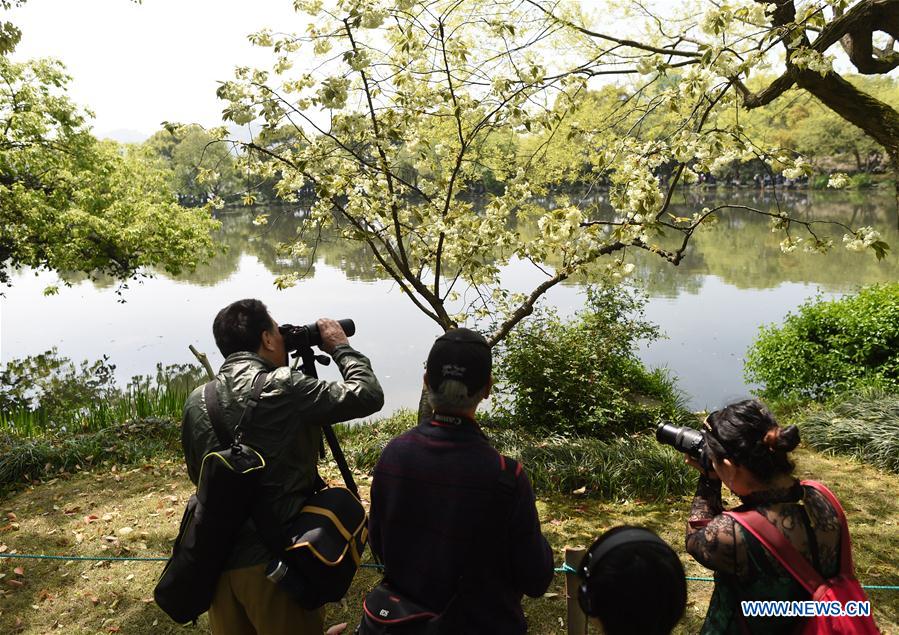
{"x": 136, "y": 65}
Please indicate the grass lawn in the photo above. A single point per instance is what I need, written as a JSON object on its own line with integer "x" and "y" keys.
{"x": 135, "y": 511}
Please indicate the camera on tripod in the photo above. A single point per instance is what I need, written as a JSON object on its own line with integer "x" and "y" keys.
{"x": 300, "y": 338}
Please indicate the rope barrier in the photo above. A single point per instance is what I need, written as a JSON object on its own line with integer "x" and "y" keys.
{"x": 565, "y": 568}
{"x": 33, "y": 556}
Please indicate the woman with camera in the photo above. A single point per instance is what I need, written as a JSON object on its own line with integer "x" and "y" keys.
{"x": 749, "y": 453}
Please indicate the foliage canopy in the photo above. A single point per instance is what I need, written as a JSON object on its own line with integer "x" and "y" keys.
{"x": 69, "y": 202}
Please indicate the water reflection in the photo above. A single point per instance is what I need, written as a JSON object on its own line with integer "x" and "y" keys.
{"x": 740, "y": 249}
{"x": 733, "y": 280}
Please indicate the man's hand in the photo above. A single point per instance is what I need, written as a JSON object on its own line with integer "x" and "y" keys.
{"x": 332, "y": 334}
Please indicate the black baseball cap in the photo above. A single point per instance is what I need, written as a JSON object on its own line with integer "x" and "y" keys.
{"x": 460, "y": 354}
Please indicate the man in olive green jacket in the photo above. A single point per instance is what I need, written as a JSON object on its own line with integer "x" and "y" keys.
{"x": 286, "y": 430}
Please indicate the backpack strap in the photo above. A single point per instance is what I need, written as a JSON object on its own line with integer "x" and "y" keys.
{"x": 847, "y": 568}
{"x": 217, "y": 419}
{"x": 779, "y": 547}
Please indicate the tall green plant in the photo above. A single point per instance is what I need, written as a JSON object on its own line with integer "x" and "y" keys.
{"x": 48, "y": 395}
{"x": 828, "y": 347}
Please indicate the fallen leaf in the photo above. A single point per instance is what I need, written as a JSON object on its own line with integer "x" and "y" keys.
{"x": 113, "y": 629}
{"x": 124, "y": 531}
{"x": 90, "y": 518}
{"x": 107, "y": 517}
{"x": 129, "y": 577}
{"x": 580, "y": 491}
{"x": 11, "y": 516}
{"x": 15, "y": 583}
{"x": 19, "y": 571}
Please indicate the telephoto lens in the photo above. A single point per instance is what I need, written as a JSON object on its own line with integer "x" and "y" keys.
{"x": 302, "y": 337}
{"x": 687, "y": 440}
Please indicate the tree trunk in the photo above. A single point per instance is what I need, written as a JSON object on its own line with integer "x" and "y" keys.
{"x": 894, "y": 160}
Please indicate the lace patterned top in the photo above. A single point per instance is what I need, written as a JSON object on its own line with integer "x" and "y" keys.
{"x": 744, "y": 570}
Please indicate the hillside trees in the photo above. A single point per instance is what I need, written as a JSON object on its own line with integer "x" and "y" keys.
{"x": 202, "y": 168}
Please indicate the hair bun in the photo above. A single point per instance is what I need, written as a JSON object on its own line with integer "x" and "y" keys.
{"x": 779, "y": 439}
{"x": 787, "y": 439}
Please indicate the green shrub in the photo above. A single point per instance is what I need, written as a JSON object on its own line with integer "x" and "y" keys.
{"x": 583, "y": 376}
{"x": 828, "y": 347}
{"x": 34, "y": 458}
{"x": 820, "y": 181}
{"x": 621, "y": 468}
{"x": 629, "y": 467}
{"x": 860, "y": 181}
{"x": 864, "y": 426}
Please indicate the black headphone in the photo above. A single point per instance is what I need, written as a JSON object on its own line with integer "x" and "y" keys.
{"x": 601, "y": 548}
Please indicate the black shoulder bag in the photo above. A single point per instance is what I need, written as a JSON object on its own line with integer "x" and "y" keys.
{"x": 318, "y": 555}
{"x": 386, "y": 611}
{"x": 226, "y": 490}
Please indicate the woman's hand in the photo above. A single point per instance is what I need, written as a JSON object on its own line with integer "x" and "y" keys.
{"x": 689, "y": 460}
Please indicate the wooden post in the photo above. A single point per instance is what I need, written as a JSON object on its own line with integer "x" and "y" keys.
{"x": 203, "y": 360}
{"x": 577, "y": 621}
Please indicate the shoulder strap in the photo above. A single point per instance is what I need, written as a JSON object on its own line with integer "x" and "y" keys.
{"x": 779, "y": 547}
{"x": 214, "y": 408}
{"x": 215, "y": 414}
{"x": 340, "y": 459}
{"x": 847, "y": 568}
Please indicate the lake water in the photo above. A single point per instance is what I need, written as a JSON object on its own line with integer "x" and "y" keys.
{"x": 734, "y": 280}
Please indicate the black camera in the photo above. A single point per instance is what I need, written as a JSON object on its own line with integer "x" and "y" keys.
{"x": 687, "y": 440}
{"x": 298, "y": 338}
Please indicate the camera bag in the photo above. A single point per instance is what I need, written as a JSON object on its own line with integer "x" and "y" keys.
{"x": 322, "y": 548}
{"x": 226, "y": 489}
{"x": 386, "y": 611}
